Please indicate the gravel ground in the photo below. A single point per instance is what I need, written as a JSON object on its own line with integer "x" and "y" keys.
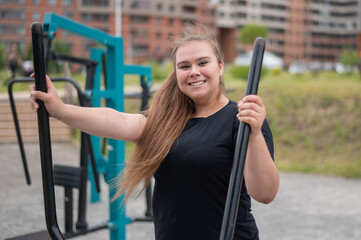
{"x": 306, "y": 207}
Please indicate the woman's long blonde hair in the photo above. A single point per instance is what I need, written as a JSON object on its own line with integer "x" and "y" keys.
{"x": 169, "y": 113}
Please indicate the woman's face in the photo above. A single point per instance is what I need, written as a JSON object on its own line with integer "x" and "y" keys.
{"x": 198, "y": 71}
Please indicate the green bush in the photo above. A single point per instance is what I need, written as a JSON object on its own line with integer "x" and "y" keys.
{"x": 275, "y": 71}
{"x": 160, "y": 70}
{"x": 242, "y": 72}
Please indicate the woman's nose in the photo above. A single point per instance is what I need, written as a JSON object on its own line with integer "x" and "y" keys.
{"x": 194, "y": 72}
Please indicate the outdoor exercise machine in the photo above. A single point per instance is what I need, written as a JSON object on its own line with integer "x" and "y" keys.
{"x": 108, "y": 164}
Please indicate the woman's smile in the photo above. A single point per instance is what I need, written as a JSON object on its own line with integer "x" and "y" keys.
{"x": 197, "y": 83}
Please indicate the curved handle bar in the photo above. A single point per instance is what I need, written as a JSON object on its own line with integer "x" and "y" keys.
{"x": 18, "y": 132}
{"x": 236, "y": 178}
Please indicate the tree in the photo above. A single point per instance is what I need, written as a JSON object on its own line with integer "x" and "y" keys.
{"x": 29, "y": 53}
{"x": 3, "y": 59}
{"x": 250, "y": 32}
{"x": 349, "y": 59}
{"x": 61, "y": 48}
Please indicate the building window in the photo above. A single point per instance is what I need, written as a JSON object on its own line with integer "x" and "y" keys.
{"x": 11, "y": 14}
{"x": 140, "y": 4}
{"x": 67, "y": 3}
{"x": 12, "y": 29}
{"x": 52, "y": 2}
{"x": 36, "y": 16}
{"x": 159, "y": 7}
{"x": 158, "y": 35}
{"x": 138, "y": 19}
{"x": 103, "y": 3}
{"x": 140, "y": 50}
{"x": 88, "y": 17}
{"x": 69, "y": 15}
{"x": 36, "y": 2}
{"x": 189, "y": 9}
{"x": 13, "y": 1}
{"x": 158, "y": 21}
{"x": 170, "y": 22}
{"x": 171, "y": 8}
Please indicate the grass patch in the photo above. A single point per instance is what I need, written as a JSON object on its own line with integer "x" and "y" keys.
{"x": 315, "y": 121}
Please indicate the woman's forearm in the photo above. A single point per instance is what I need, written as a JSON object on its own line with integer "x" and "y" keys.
{"x": 103, "y": 122}
{"x": 261, "y": 174}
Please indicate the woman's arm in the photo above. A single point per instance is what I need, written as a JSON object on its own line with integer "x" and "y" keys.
{"x": 260, "y": 173}
{"x": 103, "y": 122}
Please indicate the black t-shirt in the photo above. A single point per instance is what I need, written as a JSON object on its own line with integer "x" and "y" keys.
{"x": 192, "y": 182}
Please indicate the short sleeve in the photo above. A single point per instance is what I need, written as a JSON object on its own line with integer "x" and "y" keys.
{"x": 266, "y": 131}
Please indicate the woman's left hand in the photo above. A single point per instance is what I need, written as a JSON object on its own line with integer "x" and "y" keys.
{"x": 252, "y": 111}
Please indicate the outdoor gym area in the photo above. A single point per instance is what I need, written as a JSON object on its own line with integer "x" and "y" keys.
{"x": 70, "y": 198}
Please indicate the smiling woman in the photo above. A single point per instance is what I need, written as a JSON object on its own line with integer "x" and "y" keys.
{"x": 199, "y": 75}
{"x": 186, "y": 141}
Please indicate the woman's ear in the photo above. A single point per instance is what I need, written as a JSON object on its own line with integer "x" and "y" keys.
{"x": 221, "y": 68}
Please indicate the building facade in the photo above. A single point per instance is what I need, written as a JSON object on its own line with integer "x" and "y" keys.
{"x": 146, "y": 24}
{"x": 298, "y": 30}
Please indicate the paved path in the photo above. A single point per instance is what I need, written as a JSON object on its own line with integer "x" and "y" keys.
{"x": 307, "y": 206}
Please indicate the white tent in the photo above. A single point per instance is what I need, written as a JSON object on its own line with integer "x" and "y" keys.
{"x": 270, "y": 60}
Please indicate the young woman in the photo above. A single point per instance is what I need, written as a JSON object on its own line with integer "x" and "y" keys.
{"x": 186, "y": 141}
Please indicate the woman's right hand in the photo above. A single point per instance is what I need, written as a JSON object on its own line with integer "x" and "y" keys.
{"x": 51, "y": 99}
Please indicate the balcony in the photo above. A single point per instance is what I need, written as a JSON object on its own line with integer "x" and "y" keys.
{"x": 192, "y": 3}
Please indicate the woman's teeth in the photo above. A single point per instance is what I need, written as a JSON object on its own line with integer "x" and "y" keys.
{"x": 197, "y": 83}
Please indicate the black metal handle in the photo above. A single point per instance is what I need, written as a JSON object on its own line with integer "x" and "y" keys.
{"x": 44, "y": 134}
{"x": 236, "y": 178}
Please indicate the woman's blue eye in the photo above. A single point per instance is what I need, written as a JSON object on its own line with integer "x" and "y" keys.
{"x": 203, "y": 63}
{"x": 184, "y": 66}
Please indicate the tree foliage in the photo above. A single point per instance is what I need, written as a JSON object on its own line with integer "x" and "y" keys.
{"x": 250, "y": 32}
{"x": 29, "y": 53}
{"x": 61, "y": 48}
{"x": 349, "y": 58}
{"x": 3, "y": 59}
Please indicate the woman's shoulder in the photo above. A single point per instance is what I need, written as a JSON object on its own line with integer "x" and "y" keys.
{"x": 231, "y": 106}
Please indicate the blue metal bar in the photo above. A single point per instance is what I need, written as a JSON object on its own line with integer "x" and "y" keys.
{"x": 97, "y": 55}
{"x": 52, "y": 22}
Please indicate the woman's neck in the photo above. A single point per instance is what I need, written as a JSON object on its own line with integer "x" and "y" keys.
{"x": 209, "y": 108}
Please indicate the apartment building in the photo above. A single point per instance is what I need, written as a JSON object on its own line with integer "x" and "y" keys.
{"x": 299, "y": 30}
{"x": 16, "y": 17}
{"x": 146, "y": 24}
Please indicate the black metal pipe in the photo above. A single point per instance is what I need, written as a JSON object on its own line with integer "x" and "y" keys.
{"x": 144, "y": 105}
{"x": 68, "y": 210}
{"x": 44, "y": 134}
{"x": 18, "y": 133}
{"x": 236, "y": 178}
{"x": 81, "y": 223}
